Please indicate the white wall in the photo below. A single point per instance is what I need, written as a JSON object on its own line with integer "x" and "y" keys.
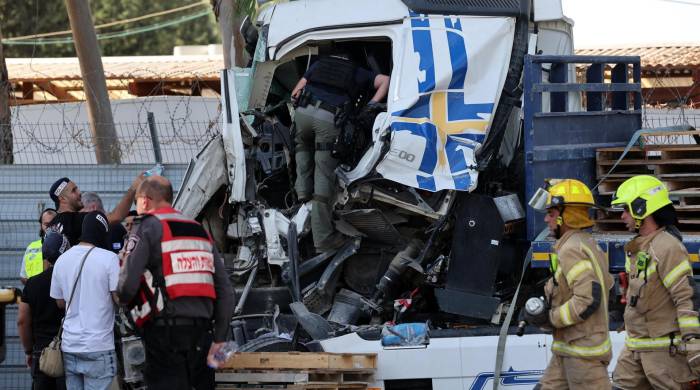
{"x": 60, "y": 133}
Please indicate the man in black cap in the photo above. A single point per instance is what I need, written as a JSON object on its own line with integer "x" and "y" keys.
{"x": 67, "y": 197}
{"x": 39, "y": 317}
{"x": 89, "y": 357}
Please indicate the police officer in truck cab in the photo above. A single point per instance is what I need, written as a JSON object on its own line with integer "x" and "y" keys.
{"x": 320, "y": 95}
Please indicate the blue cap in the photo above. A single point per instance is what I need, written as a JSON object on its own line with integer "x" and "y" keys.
{"x": 54, "y": 245}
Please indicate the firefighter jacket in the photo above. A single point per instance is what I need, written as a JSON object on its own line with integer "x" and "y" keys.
{"x": 660, "y": 294}
{"x": 578, "y": 295}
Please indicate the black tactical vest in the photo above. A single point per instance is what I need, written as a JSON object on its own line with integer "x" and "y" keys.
{"x": 336, "y": 73}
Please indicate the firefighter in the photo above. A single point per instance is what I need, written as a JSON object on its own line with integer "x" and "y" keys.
{"x": 175, "y": 281}
{"x": 662, "y": 348}
{"x": 576, "y": 306}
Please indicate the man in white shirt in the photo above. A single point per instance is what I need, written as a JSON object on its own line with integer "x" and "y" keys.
{"x": 88, "y": 336}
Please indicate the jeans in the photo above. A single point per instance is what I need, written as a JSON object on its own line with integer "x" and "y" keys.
{"x": 89, "y": 370}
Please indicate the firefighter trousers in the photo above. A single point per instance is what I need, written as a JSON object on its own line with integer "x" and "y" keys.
{"x": 651, "y": 370}
{"x": 565, "y": 372}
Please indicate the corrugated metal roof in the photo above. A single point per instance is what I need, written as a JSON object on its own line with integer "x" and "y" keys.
{"x": 176, "y": 68}
{"x": 669, "y": 56}
{"x": 160, "y": 68}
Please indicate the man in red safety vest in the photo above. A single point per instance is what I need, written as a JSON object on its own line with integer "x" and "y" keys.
{"x": 174, "y": 280}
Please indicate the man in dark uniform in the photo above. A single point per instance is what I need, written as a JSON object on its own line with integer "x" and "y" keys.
{"x": 327, "y": 86}
{"x": 68, "y": 199}
{"x": 174, "y": 279}
{"x": 39, "y": 318}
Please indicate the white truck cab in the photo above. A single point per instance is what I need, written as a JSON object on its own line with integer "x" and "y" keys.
{"x": 437, "y": 170}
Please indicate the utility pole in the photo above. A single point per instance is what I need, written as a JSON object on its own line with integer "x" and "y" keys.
{"x": 99, "y": 109}
{"x": 6, "y": 152}
{"x": 225, "y": 15}
{"x": 230, "y": 27}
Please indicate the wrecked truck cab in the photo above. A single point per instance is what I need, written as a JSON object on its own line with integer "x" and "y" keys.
{"x": 433, "y": 214}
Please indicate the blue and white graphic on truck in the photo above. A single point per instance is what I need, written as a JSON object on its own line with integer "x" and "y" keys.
{"x": 508, "y": 378}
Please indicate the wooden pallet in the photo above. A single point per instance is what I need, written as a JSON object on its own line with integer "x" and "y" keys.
{"x": 677, "y": 166}
{"x": 290, "y": 387}
{"x": 302, "y": 360}
{"x": 688, "y": 221}
{"x": 297, "y": 370}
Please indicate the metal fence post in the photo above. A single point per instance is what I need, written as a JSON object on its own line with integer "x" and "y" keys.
{"x": 154, "y": 137}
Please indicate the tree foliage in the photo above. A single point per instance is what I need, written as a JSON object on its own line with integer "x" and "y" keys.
{"x": 27, "y": 17}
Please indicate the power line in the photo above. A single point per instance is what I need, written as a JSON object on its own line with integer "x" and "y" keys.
{"x": 104, "y": 25}
{"x": 116, "y": 34}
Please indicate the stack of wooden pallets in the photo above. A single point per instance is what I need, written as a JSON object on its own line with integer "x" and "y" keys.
{"x": 297, "y": 370}
{"x": 677, "y": 165}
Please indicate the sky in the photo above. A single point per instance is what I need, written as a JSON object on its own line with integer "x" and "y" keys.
{"x": 620, "y": 23}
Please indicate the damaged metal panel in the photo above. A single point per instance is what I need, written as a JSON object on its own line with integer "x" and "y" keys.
{"x": 205, "y": 175}
{"x": 232, "y": 138}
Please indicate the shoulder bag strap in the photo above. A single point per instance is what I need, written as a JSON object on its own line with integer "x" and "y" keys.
{"x": 75, "y": 285}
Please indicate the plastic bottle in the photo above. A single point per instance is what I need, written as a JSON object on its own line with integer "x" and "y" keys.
{"x": 157, "y": 170}
{"x": 225, "y": 352}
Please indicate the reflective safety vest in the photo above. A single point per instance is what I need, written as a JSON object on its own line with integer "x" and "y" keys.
{"x": 187, "y": 264}
{"x": 33, "y": 259}
{"x": 188, "y": 260}
{"x": 148, "y": 298}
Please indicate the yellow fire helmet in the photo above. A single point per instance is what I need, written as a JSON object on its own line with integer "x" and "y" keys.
{"x": 569, "y": 192}
{"x": 642, "y": 195}
{"x": 570, "y": 195}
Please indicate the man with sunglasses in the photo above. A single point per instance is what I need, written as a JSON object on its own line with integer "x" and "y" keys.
{"x": 662, "y": 348}
{"x": 576, "y": 294}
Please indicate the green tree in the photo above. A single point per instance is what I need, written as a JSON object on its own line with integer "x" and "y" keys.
{"x": 19, "y": 18}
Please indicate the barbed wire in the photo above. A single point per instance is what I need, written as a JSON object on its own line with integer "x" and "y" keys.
{"x": 184, "y": 123}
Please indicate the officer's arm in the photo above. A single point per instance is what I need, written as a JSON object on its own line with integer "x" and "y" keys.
{"x": 121, "y": 210}
{"x": 381, "y": 84}
{"x": 579, "y": 273}
{"x": 225, "y": 299}
{"x": 676, "y": 275}
{"x": 297, "y": 88}
{"x": 138, "y": 249}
